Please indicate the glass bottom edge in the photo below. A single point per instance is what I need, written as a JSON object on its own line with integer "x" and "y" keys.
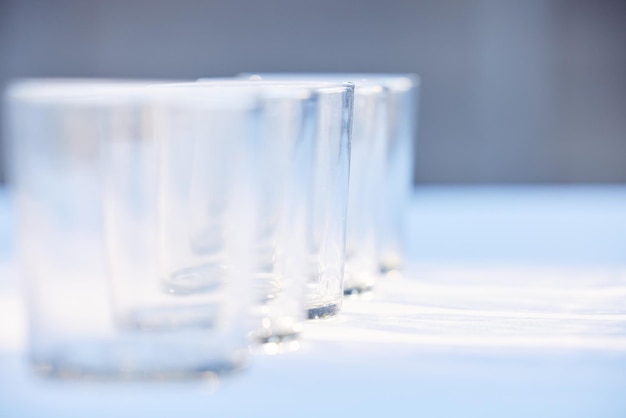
{"x": 207, "y": 371}
{"x": 324, "y": 311}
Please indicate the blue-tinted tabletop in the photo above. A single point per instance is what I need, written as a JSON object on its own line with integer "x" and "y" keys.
{"x": 513, "y": 304}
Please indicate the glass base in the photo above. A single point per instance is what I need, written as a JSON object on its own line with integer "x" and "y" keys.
{"x": 205, "y": 278}
{"x": 208, "y": 371}
{"x": 171, "y": 318}
{"x": 272, "y": 333}
{"x": 390, "y": 264}
{"x": 386, "y": 269}
{"x": 357, "y": 290}
{"x": 359, "y": 280}
{"x": 278, "y": 338}
{"x": 132, "y": 360}
{"x": 323, "y": 312}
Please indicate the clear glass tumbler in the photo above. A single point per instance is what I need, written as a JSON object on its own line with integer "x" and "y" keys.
{"x": 367, "y": 175}
{"x": 304, "y": 148}
{"x": 86, "y": 163}
{"x": 400, "y": 162}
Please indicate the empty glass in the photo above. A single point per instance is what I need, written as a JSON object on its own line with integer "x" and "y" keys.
{"x": 295, "y": 137}
{"x": 398, "y": 186}
{"x": 303, "y": 146}
{"x": 367, "y": 175}
{"x": 78, "y": 147}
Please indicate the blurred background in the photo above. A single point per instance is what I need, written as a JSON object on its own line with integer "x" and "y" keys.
{"x": 514, "y": 91}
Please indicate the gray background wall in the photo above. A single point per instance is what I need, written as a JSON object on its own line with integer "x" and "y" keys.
{"x": 514, "y": 91}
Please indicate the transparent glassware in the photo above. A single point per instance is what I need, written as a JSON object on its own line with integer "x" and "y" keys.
{"x": 79, "y": 154}
{"x": 399, "y": 167}
{"x": 327, "y": 200}
{"x": 370, "y": 130}
{"x": 394, "y": 200}
{"x": 304, "y": 147}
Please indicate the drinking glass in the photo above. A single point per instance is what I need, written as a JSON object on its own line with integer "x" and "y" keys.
{"x": 81, "y": 152}
{"x": 400, "y": 161}
{"x": 303, "y": 146}
{"x": 367, "y": 175}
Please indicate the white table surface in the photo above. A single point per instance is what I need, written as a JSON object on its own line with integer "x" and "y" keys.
{"x": 513, "y": 305}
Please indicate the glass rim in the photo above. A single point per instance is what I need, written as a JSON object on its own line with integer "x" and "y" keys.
{"x": 111, "y": 91}
{"x": 394, "y": 81}
{"x": 75, "y": 90}
{"x": 318, "y": 85}
{"x": 229, "y": 92}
